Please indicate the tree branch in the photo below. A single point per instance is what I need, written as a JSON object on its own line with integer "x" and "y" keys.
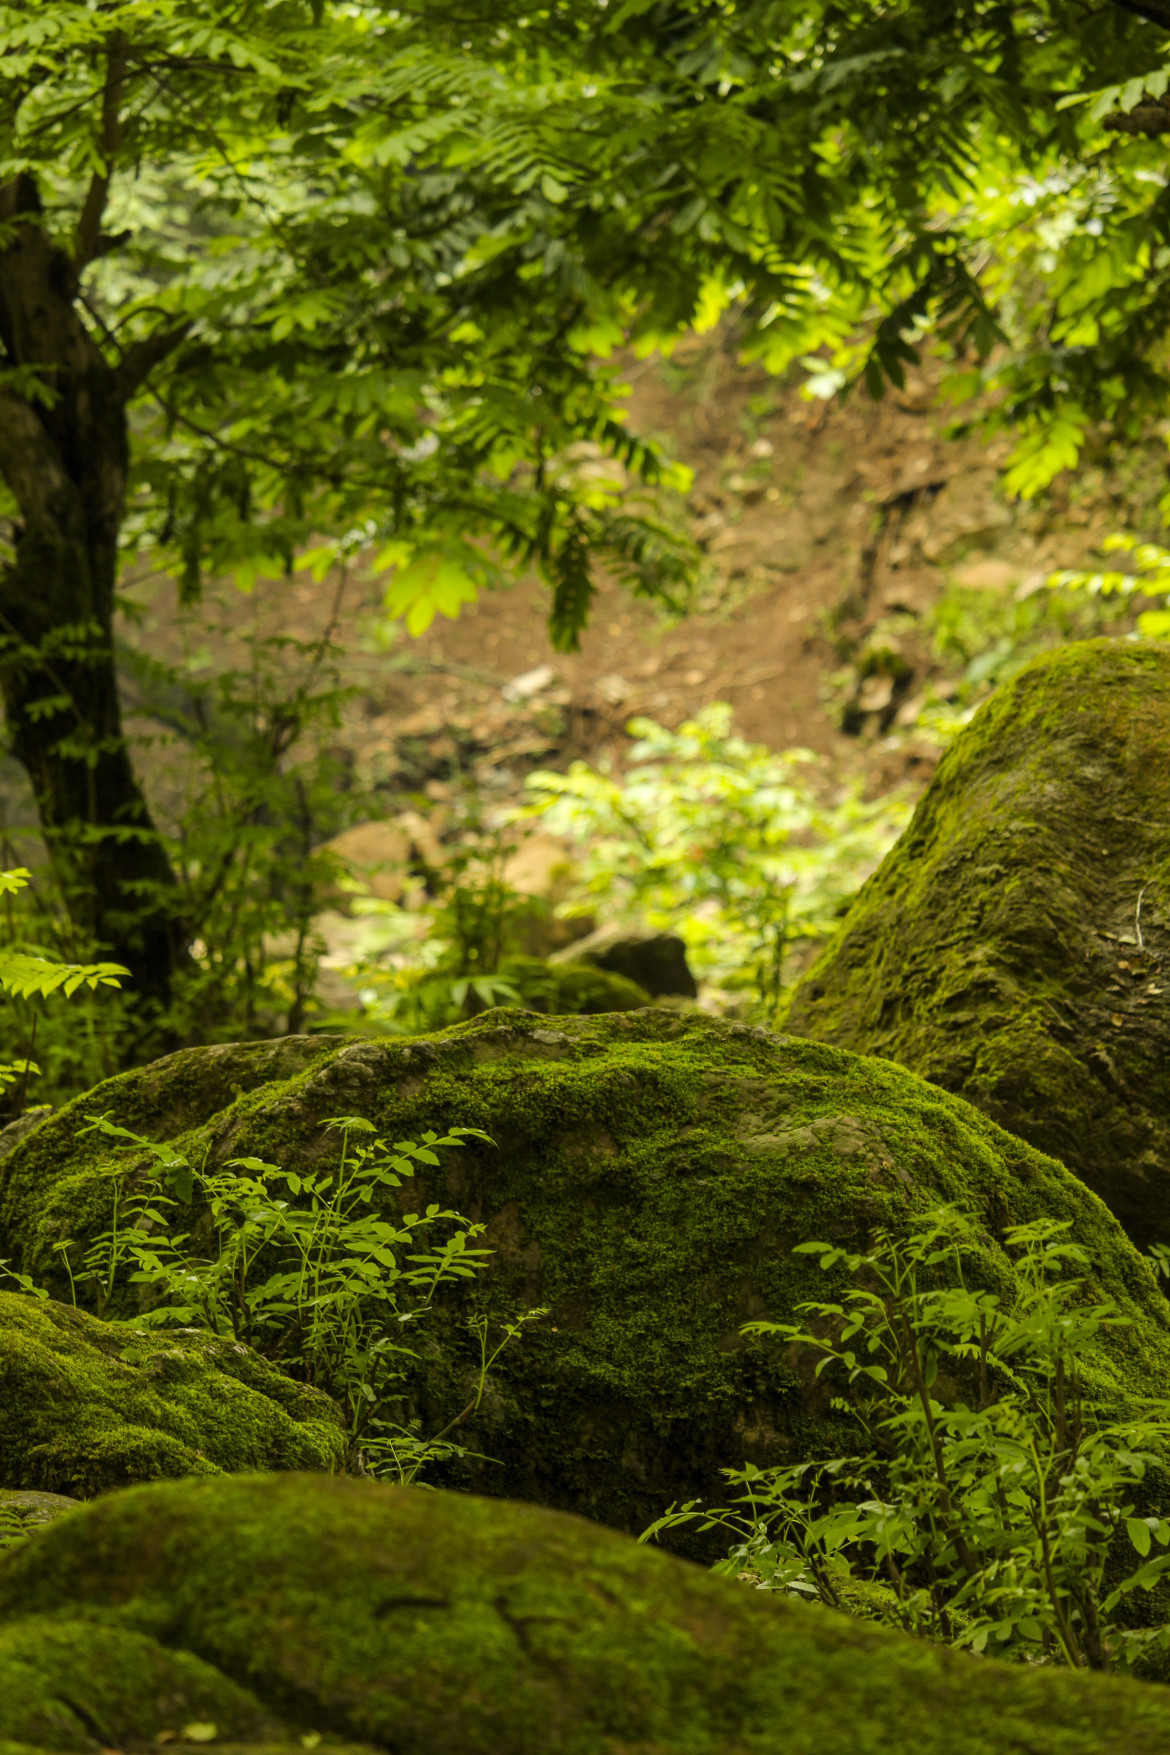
{"x": 141, "y": 357}
{"x": 1153, "y": 11}
{"x": 89, "y": 226}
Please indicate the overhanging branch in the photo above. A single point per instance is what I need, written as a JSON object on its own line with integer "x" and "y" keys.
{"x": 1153, "y": 11}
{"x": 88, "y": 244}
{"x": 141, "y": 357}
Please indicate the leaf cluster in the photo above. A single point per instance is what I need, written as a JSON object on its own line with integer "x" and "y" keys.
{"x": 306, "y": 1267}
{"x": 1001, "y": 1478}
{"x": 725, "y": 842}
{"x": 361, "y": 268}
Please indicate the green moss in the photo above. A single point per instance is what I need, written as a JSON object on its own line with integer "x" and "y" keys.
{"x": 573, "y": 987}
{"x": 995, "y": 951}
{"x": 652, "y": 1173}
{"x": 88, "y": 1405}
{"x": 434, "y": 1624}
{"x": 126, "y": 1673}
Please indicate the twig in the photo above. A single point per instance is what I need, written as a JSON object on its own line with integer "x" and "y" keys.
{"x": 1137, "y": 919}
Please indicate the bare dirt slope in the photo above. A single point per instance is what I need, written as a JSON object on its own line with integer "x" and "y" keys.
{"x": 829, "y": 531}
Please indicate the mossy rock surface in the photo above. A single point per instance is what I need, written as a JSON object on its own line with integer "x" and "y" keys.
{"x": 996, "y": 949}
{"x": 652, "y": 1173}
{"x": 88, "y": 1405}
{"x": 26, "y": 1508}
{"x": 441, "y": 1624}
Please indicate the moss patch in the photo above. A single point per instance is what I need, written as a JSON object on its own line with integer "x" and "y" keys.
{"x": 996, "y": 950}
{"x": 88, "y": 1405}
{"x": 573, "y": 988}
{"x": 652, "y": 1174}
{"x": 434, "y": 1624}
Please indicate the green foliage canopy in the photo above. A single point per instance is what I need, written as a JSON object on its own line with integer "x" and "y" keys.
{"x": 356, "y": 264}
{"x": 282, "y": 281}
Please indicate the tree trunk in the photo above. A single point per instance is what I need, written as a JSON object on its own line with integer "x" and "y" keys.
{"x": 63, "y": 455}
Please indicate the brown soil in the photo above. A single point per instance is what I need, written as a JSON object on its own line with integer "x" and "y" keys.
{"x": 824, "y": 527}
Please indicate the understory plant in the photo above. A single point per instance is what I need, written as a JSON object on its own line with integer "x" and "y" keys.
{"x": 454, "y": 955}
{"x": 725, "y": 842}
{"x": 29, "y": 976}
{"x": 305, "y": 1267}
{"x": 12, "y": 1527}
{"x": 248, "y": 789}
{"x": 1148, "y": 576}
{"x": 1000, "y": 1497}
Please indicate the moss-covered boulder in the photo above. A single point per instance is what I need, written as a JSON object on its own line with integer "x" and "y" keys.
{"x": 571, "y": 988}
{"x": 279, "y": 1609}
{"x": 652, "y": 1173}
{"x": 1015, "y": 944}
{"x": 87, "y": 1405}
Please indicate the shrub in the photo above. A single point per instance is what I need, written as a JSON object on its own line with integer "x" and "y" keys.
{"x": 720, "y": 840}
{"x": 995, "y": 1494}
{"x": 303, "y": 1267}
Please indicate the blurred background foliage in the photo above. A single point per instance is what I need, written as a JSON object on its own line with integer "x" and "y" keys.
{"x": 366, "y": 290}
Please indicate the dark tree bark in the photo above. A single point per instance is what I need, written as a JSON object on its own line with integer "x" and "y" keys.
{"x": 63, "y": 454}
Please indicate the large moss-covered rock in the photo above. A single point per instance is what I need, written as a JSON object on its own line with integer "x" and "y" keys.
{"x": 651, "y": 1174}
{"x": 437, "y": 1624}
{"x": 999, "y": 950}
{"x": 87, "y": 1405}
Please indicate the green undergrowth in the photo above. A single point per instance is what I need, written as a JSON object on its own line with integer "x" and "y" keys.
{"x": 992, "y": 1500}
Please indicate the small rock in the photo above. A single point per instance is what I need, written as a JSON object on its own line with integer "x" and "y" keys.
{"x": 15, "y": 1131}
{"x": 34, "y": 1508}
{"x": 529, "y": 683}
{"x": 656, "y": 961}
{"x": 875, "y": 694}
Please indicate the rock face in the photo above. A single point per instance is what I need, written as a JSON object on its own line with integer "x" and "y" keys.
{"x": 87, "y": 1405}
{"x": 651, "y": 1174}
{"x": 1015, "y": 944}
{"x": 562, "y": 989}
{"x": 437, "y": 1624}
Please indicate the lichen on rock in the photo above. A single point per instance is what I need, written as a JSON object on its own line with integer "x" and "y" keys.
{"x": 651, "y": 1176}
{"x": 1015, "y": 944}
{"x": 277, "y": 1609}
{"x": 88, "y": 1405}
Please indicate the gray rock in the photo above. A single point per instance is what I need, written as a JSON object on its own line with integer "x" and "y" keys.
{"x": 34, "y": 1508}
{"x": 14, "y": 1132}
{"x": 657, "y": 961}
